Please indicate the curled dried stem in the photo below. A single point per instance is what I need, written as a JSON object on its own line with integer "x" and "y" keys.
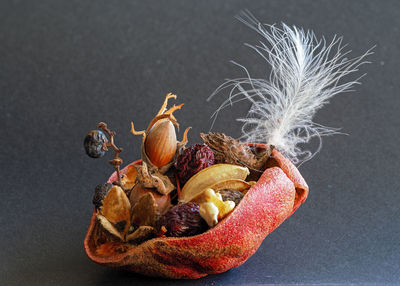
{"x": 184, "y": 137}
{"x": 116, "y": 161}
{"x": 134, "y": 132}
{"x": 164, "y": 106}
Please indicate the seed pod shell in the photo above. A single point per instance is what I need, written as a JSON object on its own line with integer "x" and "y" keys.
{"x": 160, "y": 144}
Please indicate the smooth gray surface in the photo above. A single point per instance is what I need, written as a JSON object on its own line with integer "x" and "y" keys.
{"x": 64, "y": 66}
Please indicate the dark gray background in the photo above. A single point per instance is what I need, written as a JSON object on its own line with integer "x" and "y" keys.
{"x": 64, "y": 66}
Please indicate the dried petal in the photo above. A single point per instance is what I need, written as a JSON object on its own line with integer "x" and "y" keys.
{"x": 141, "y": 234}
{"x": 116, "y": 207}
{"x": 129, "y": 178}
{"x": 144, "y": 211}
{"x": 109, "y": 226}
{"x": 210, "y": 176}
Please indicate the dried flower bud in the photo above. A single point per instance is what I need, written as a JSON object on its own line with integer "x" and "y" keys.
{"x": 192, "y": 160}
{"x": 184, "y": 220}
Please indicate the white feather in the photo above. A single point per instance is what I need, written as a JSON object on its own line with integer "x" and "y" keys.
{"x": 305, "y": 74}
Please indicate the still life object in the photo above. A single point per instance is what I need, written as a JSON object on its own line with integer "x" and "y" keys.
{"x": 189, "y": 211}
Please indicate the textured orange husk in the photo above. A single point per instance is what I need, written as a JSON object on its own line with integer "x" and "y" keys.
{"x": 277, "y": 194}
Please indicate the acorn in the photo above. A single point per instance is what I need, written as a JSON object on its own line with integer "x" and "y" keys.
{"x": 160, "y": 144}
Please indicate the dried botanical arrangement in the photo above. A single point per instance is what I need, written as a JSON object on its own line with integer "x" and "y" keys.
{"x": 188, "y": 211}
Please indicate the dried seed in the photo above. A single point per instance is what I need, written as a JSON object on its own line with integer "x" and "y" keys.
{"x": 212, "y": 207}
{"x": 231, "y": 195}
{"x": 184, "y": 220}
{"x": 144, "y": 211}
{"x": 99, "y": 194}
{"x": 141, "y": 234}
{"x": 109, "y": 226}
{"x": 237, "y": 185}
{"x": 192, "y": 160}
{"x": 129, "y": 178}
{"x": 116, "y": 207}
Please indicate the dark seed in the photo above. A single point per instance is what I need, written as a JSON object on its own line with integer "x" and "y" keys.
{"x": 192, "y": 160}
{"x": 231, "y": 195}
{"x": 99, "y": 194}
{"x": 184, "y": 220}
{"x": 94, "y": 142}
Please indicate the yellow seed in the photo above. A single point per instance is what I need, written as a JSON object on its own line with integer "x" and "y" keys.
{"x": 212, "y": 207}
{"x": 209, "y": 212}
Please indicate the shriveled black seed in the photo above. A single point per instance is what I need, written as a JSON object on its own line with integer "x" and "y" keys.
{"x": 184, "y": 220}
{"x": 94, "y": 142}
{"x": 231, "y": 195}
{"x": 99, "y": 194}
